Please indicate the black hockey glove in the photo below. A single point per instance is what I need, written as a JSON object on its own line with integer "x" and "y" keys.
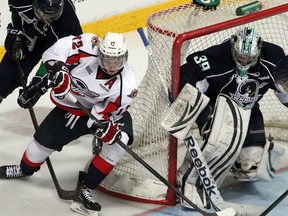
{"x": 59, "y": 77}
{"x": 15, "y": 43}
{"x": 109, "y": 133}
{"x": 207, "y": 5}
{"x": 29, "y": 97}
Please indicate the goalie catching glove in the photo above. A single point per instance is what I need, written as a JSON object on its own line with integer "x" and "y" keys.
{"x": 207, "y": 5}
{"x": 59, "y": 77}
{"x": 29, "y": 97}
{"x": 109, "y": 132}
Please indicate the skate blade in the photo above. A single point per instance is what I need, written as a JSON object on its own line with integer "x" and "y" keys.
{"x": 79, "y": 208}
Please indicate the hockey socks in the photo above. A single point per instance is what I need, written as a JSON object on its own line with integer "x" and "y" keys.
{"x": 28, "y": 167}
{"x": 83, "y": 201}
{"x": 97, "y": 171}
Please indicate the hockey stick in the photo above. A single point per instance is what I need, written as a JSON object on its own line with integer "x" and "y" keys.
{"x": 225, "y": 212}
{"x": 274, "y": 204}
{"x": 155, "y": 64}
{"x": 63, "y": 194}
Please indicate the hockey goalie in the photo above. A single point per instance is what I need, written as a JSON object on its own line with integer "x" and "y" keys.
{"x": 220, "y": 90}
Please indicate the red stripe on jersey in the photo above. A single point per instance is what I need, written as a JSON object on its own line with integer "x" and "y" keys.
{"x": 84, "y": 54}
{"x": 102, "y": 165}
{"x": 111, "y": 106}
{"x": 75, "y": 111}
{"x": 30, "y": 163}
{"x": 71, "y": 60}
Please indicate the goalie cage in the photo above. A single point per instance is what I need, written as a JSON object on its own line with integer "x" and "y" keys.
{"x": 187, "y": 29}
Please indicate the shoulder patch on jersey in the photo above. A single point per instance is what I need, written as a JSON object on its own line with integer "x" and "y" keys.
{"x": 95, "y": 41}
{"x": 133, "y": 93}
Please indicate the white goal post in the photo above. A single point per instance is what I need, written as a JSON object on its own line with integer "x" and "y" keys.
{"x": 173, "y": 33}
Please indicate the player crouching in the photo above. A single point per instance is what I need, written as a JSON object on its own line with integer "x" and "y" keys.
{"x": 99, "y": 76}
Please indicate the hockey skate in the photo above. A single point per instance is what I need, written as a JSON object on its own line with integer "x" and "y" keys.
{"x": 84, "y": 203}
{"x": 11, "y": 171}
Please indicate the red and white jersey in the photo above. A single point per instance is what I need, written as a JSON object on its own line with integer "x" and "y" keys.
{"x": 107, "y": 96}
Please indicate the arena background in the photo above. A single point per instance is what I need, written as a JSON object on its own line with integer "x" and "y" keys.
{"x": 120, "y": 16}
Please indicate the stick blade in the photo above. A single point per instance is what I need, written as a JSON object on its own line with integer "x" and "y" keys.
{"x": 66, "y": 195}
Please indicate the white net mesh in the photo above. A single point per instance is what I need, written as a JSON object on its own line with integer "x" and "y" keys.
{"x": 151, "y": 143}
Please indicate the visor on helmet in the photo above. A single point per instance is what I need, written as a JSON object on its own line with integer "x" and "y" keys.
{"x": 48, "y": 13}
{"x": 113, "y": 53}
{"x": 112, "y": 64}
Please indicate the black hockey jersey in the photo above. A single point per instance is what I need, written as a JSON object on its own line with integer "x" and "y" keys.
{"x": 213, "y": 71}
{"x": 24, "y": 19}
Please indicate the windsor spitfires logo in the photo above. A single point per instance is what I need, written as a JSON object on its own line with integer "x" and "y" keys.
{"x": 246, "y": 94}
{"x": 95, "y": 41}
{"x": 79, "y": 87}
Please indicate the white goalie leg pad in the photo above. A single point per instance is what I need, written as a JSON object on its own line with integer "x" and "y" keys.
{"x": 258, "y": 163}
{"x": 228, "y": 132}
{"x": 183, "y": 112}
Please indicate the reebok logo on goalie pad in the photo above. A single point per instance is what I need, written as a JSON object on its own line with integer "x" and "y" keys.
{"x": 200, "y": 166}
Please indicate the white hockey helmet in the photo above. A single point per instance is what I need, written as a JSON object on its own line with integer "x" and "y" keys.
{"x": 113, "y": 53}
{"x": 246, "y": 47}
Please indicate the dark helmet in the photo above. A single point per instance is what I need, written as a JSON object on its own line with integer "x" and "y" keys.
{"x": 48, "y": 10}
{"x": 281, "y": 75}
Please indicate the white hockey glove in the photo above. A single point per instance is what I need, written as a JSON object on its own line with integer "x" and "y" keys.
{"x": 109, "y": 133}
{"x": 59, "y": 77}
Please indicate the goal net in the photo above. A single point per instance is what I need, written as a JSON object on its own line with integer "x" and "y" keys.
{"x": 173, "y": 34}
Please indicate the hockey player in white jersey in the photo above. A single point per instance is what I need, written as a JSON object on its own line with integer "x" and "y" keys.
{"x": 98, "y": 74}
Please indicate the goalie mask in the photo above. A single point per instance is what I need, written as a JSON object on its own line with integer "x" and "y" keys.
{"x": 113, "y": 53}
{"x": 281, "y": 75}
{"x": 48, "y": 10}
{"x": 246, "y": 47}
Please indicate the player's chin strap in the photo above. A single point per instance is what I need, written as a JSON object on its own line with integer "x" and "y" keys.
{"x": 225, "y": 212}
{"x": 179, "y": 119}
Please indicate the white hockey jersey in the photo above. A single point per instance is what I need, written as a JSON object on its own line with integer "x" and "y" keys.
{"x": 107, "y": 96}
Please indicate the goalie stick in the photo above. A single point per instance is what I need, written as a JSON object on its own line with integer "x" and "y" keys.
{"x": 155, "y": 64}
{"x": 274, "y": 204}
{"x": 63, "y": 194}
{"x": 225, "y": 212}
